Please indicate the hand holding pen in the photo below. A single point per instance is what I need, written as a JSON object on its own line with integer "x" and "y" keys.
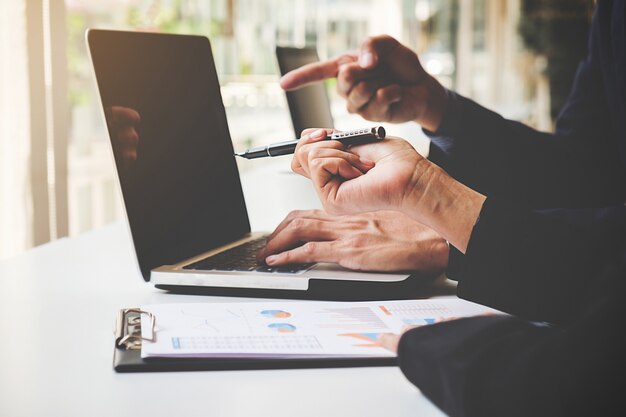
{"x": 352, "y": 137}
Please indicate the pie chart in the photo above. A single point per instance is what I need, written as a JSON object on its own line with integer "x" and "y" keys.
{"x": 276, "y": 314}
{"x": 282, "y": 327}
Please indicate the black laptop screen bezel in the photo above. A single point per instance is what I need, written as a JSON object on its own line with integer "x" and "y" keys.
{"x": 308, "y": 106}
{"x": 165, "y": 228}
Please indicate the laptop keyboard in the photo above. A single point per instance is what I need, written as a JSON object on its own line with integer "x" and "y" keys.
{"x": 243, "y": 258}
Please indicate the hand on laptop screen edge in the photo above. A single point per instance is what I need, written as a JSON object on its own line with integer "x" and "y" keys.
{"x": 123, "y": 123}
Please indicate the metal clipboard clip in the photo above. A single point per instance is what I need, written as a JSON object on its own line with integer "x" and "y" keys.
{"x": 128, "y": 332}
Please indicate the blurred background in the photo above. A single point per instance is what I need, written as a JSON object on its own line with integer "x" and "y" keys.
{"x": 57, "y": 176}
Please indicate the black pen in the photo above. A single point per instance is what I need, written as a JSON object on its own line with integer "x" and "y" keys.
{"x": 352, "y": 137}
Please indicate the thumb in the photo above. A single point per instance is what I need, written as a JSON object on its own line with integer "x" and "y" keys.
{"x": 374, "y": 48}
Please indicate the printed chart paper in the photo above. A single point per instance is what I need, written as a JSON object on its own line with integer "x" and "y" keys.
{"x": 283, "y": 329}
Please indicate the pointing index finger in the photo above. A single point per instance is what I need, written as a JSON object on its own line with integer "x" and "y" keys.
{"x": 314, "y": 72}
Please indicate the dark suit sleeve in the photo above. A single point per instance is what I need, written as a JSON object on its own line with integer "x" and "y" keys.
{"x": 538, "y": 265}
{"x": 565, "y": 267}
{"x": 502, "y": 366}
{"x": 576, "y": 165}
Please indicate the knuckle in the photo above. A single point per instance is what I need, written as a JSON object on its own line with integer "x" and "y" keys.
{"x": 362, "y": 240}
{"x": 368, "y": 113}
{"x": 309, "y": 248}
{"x": 381, "y": 39}
{"x": 354, "y": 242}
{"x": 349, "y": 74}
{"x": 297, "y": 223}
{"x": 385, "y": 94}
{"x": 334, "y": 144}
{"x": 354, "y": 159}
{"x": 293, "y": 214}
{"x": 306, "y": 132}
{"x": 363, "y": 90}
{"x": 306, "y": 213}
{"x": 316, "y": 163}
{"x": 285, "y": 257}
{"x": 342, "y": 93}
{"x": 369, "y": 41}
{"x": 304, "y": 151}
{"x": 315, "y": 153}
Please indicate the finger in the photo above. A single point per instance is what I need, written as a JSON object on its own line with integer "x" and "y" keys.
{"x": 297, "y": 214}
{"x": 380, "y": 107}
{"x": 299, "y": 162}
{"x": 309, "y": 131}
{"x": 374, "y": 49}
{"x": 379, "y": 150}
{"x": 389, "y": 341}
{"x": 316, "y": 71}
{"x": 129, "y": 155}
{"x": 313, "y": 135}
{"x": 300, "y": 231}
{"x": 124, "y": 115}
{"x": 128, "y": 137}
{"x": 362, "y": 165}
{"x": 328, "y": 174}
{"x": 337, "y": 167}
{"x": 363, "y": 93}
{"x": 349, "y": 76}
{"x": 309, "y": 252}
{"x": 408, "y": 327}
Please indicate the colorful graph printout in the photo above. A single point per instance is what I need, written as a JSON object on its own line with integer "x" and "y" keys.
{"x": 418, "y": 321}
{"x": 291, "y": 329}
{"x": 371, "y": 339}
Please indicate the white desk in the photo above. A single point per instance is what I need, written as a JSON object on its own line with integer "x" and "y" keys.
{"x": 57, "y": 310}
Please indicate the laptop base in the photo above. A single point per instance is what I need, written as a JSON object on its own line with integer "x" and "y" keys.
{"x": 419, "y": 285}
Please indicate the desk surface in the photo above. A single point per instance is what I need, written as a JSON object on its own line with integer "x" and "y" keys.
{"x": 57, "y": 312}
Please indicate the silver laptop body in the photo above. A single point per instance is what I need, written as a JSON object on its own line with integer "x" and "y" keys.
{"x": 177, "y": 173}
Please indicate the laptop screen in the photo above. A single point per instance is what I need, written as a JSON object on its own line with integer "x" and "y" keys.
{"x": 171, "y": 143}
{"x": 309, "y": 106}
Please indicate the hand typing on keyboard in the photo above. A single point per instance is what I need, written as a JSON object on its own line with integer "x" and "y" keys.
{"x": 244, "y": 258}
{"x": 377, "y": 241}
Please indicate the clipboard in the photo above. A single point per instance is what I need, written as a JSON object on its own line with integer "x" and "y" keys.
{"x": 127, "y": 353}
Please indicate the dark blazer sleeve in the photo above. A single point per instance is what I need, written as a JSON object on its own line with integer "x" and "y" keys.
{"x": 565, "y": 267}
{"x": 538, "y": 265}
{"x": 577, "y": 165}
{"x": 503, "y": 366}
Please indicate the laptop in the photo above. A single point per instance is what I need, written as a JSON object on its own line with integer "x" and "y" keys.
{"x": 179, "y": 181}
{"x": 309, "y": 106}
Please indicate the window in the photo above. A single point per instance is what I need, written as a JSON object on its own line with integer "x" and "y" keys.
{"x": 469, "y": 45}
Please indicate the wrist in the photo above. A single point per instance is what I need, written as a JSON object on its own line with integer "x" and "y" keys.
{"x": 443, "y": 204}
{"x": 441, "y": 255}
{"x": 418, "y": 195}
{"x": 436, "y": 105}
{"x": 458, "y": 213}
